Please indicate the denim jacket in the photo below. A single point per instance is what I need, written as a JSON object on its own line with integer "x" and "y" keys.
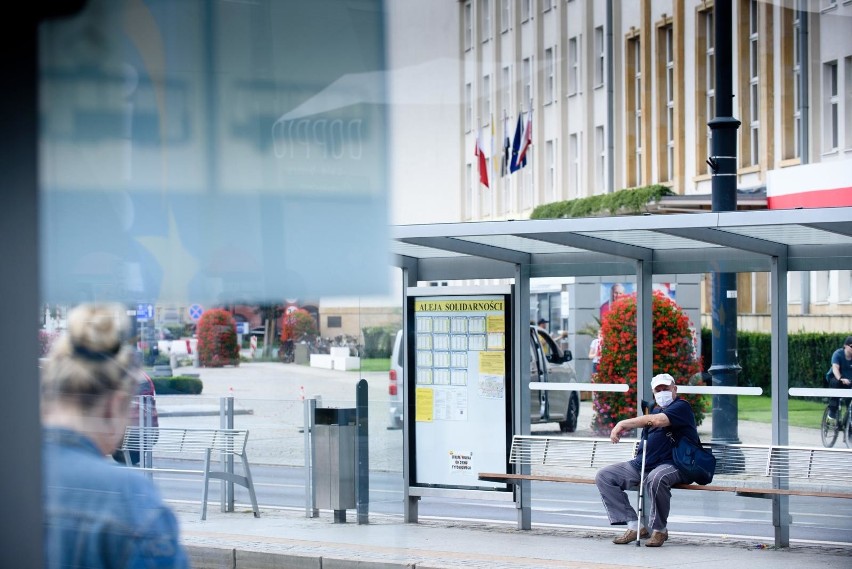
{"x": 98, "y": 514}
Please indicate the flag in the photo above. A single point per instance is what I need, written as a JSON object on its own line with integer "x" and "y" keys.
{"x": 516, "y": 147}
{"x": 522, "y": 154}
{"x": 507, "y": 148}
{"x": 483, "y": 167}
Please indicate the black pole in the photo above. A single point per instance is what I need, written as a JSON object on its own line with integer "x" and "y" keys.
{"x": 362, "y": 474}
{"x": 723, "y": 164}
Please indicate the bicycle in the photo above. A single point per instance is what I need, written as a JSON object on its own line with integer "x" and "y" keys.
{"x": 843, "y": 424}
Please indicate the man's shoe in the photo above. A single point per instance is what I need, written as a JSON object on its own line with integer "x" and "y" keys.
{"x": 630, "y": 536}
{"x": 657, "y": 539}
{"x": 831, "y": 420}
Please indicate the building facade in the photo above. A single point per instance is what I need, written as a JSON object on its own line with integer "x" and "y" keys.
{"x": 617, "y": 94}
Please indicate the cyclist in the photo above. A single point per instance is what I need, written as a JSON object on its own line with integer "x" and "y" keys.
{"x": 840, "y": 375}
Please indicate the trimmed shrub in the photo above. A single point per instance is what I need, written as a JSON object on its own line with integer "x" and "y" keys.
{"x": 808, "y": 357}
{"x": 378, "y": 341}
{"x": 177, "y": 385}
{"x": 217, "y": 339}
{"x": 629, "y": 200}
{"x": 297, "y": 325}
{"x": 673, "y": 354}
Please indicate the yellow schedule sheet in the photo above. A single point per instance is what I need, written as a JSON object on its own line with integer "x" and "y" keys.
{"x": 424, "y": 404}
{"x": 492, "y": 363}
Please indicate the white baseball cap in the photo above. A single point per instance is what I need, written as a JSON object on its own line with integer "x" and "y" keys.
{"x": 662, "y": 379}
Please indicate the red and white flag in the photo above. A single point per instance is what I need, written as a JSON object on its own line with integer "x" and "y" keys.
{"x": 481, "y": 163}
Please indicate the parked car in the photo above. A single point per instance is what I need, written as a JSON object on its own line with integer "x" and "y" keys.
{"x": 548, "y": 363}
{"x": 395, "y": 384}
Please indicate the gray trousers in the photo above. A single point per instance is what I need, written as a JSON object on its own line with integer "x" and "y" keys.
{"x": 613, "y": 480}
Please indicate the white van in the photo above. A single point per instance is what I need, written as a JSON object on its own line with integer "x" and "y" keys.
{"x": 548, "y": 363}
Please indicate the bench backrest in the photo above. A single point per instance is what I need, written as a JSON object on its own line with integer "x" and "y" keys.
{"x": 822, "y": 465}
{"x": 573, "y": 452}
{"x": 230, "y": 441}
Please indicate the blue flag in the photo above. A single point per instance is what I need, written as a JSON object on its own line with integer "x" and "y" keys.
{"x": 516, "y": 147}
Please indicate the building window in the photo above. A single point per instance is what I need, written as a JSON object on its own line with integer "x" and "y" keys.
{"x": 599, "y": 56}
{"x": 550, "y": 169}
{"x": 634, "y": 112}
{"x": 334, "y": 322}
{"x": 486, "y": 99}
{"x": 794, "y": 287}
{"x": 752, "y": 102}
{"x": 666, "y": 104}
{"x": 468, "y": 106}
{"x": 791, "y": 85}
{"x": 574, "y": 157}
{"x": 506, "y": 90}
{"x": 573, "y": 66}
{"x": 820, "y": 286}
{"x": 468, "y": 29}
{"x": 830, "y": 111}
{"x": 485, "y": 20}
{"x": 468, "y": 184}
{"x": 549, "y": 76}
{"x": 528, "y": 85}
{"x": 526, "y": 10}
{"x": 546, "y": 5}
{"x": 600, "y": 159}
{"x": 706, "y": 76}
{"x": 505, "y": 15}
{"x": 847, "y": 134}
{"x": 844, "y": 286}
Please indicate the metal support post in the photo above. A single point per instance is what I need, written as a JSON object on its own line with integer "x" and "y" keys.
{"x": 780, "y": 398}
{"x": 521, "y": 384}
{"x": 226, "y": 421}
{"x": 362, "y": 449}
{"x": 311, "y": 510}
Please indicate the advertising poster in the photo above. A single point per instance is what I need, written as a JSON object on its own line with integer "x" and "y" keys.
{"x": 460, "y": 348}
{"x": 611, "y": 292}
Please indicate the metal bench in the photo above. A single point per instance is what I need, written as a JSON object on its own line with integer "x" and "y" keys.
{"x": 747, "y": 470}
{"x": 189, "y": 441}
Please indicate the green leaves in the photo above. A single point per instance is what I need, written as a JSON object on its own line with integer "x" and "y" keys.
{"x": 673, "y": 354}
{"x": 627, "y": 201}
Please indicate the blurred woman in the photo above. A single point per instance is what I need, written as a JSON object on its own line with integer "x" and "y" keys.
{"x": 97, "y": 514}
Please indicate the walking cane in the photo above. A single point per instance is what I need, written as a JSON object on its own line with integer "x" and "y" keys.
{"x": 644, "y": 441}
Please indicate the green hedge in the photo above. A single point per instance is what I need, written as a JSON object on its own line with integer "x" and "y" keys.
{"x": 378, "y": 341}
{"x": 177, "y": 385}
{"x": 808, "y": 355}
{"x": 630, "y": 200}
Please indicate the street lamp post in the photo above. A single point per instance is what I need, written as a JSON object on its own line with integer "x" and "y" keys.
{"x": 723, "y": 165}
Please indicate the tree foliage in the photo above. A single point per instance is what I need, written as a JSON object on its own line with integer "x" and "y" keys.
{"x": 217, "y": 339}
{"x": 297, "y": 325}
{"x": 673, "y": 354}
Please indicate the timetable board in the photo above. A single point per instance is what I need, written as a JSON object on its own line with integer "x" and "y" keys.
{"x": 458, "y": 387}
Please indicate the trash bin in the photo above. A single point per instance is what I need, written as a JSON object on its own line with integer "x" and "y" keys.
{"x": 302, "y": 356}
{"x": 334, "y": 435}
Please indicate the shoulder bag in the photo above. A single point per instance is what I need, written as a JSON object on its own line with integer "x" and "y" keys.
{"x": 694, "y": 461}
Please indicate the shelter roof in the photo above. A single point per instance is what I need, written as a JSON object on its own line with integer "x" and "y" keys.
{"x": 737, "y": 241}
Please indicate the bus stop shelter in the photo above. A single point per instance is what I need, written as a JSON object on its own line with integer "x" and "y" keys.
{"x": 772, "y": 241}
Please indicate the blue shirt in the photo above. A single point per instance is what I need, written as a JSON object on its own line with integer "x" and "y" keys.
{"x": 839, "y": 358}
{"x": 659, "y": 442}
{"x": 98, "y": 514}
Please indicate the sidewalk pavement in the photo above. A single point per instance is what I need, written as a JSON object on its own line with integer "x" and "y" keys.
{"x": 285, "y": 539}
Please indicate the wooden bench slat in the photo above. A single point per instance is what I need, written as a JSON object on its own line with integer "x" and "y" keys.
{"x": 737, "y": 462}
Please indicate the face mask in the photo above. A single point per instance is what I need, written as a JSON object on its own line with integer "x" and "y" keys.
{"x": 663, "y": 398}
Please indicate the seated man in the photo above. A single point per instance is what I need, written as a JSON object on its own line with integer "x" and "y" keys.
{"x": 840, "y": 374}
{"x": 670, "y": 419}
